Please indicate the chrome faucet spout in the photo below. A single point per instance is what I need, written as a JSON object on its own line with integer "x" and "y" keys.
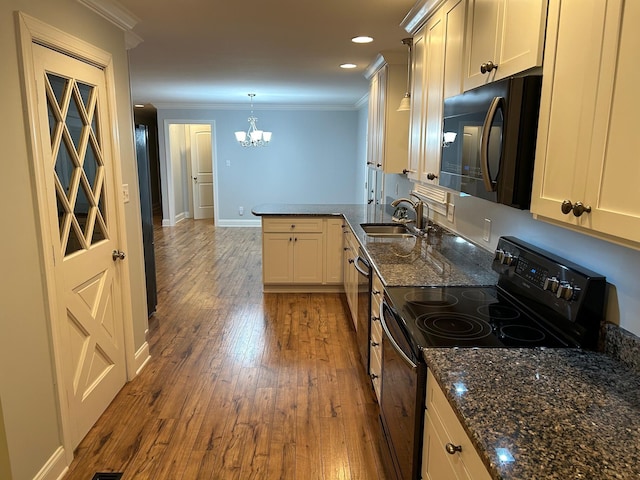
{"x": 418, "y": 207}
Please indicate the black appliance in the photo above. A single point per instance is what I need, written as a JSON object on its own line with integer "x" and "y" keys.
{"x": 363, "y": 323}
{"x": 540, "y": 300}
{"x": 489, "y": 138}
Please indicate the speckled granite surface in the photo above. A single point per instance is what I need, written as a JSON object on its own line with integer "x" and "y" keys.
{"x": 622, "y": 345}
{"x": 438, "y": 260}
{"x": 562, "y": 413}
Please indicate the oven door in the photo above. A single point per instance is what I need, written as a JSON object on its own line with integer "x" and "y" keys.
{"x": 363, "y": 326}
{"x": 402, "y": 397}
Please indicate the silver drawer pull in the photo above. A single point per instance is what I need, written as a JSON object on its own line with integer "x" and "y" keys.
{"x": 452, "y": 449}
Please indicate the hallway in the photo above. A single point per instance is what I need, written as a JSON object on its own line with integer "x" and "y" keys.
{"x": 241, "y": 384}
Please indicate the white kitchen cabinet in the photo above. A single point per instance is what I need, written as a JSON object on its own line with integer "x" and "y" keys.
{"x": 375, "y": 344}
{"x": 350, "y": 274}
{"x": 300, "y": 251}
{"x": 387, "y": 129}
{"x": 333, "y": 250}
{"x": 437, "y": 73}
{"x": 508, "y": 34}
{"x": 447, "y": 451}
{"x": 587, "y": 136}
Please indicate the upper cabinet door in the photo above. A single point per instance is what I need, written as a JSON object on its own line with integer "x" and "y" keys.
{"x": 587, "y": 136}
{"x": 388, "y": 129}
{"x": 504, "y": 37}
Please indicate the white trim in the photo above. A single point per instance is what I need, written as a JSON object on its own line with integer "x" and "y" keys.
{"x": 244, "y": 106}
{"x": 112, "y": 11}
{"x": 180, "y": 217}
{"x": 55, "y": 468}
{"x": 142, "y": 357}
{"x": 33, "y": 31}
{"x": 166, "y": 172}
{"x": 239, "y": 223}
{"x": 419, "y": 14}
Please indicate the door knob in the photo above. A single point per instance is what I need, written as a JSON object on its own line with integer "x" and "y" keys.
{"x": 117, "y": 255}
{"x": 431, "y": 176}
{"x": 195, "y": 179}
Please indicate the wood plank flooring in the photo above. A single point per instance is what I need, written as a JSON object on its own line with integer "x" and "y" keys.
{"x": 241, "y": 384}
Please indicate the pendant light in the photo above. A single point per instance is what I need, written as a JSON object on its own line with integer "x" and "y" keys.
{"x": 405, "y": 103}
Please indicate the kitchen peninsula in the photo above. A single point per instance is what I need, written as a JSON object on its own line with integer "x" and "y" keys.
{"x": 540, "y": 413}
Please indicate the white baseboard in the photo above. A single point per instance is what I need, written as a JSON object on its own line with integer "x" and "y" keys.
{"x": 239, "y": 223}
{"x": 180, "y": 217}
{"x": 55, "y": 468}
{"x": 142, "y": 357}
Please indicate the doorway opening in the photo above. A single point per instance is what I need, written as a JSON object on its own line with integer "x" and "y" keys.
{"x": 190, "y": 168}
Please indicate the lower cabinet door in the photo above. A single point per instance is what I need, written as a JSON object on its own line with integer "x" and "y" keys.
{"x": 277, "y": 257}
{"x": 307, "y": 258}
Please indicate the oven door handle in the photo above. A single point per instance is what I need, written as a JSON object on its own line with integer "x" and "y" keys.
{"x": 359, "y": 269}
{"x": 390, "y": 337}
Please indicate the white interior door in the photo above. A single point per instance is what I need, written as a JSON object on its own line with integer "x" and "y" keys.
{"x": 75, "y": 133}
{"x": 201, "y": 171}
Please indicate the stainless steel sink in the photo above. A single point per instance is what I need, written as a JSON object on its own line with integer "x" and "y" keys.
{"x": 386, "y": 230}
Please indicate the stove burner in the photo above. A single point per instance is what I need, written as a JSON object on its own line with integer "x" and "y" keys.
{"x": 522, "y": 333}
{"x": 478, "y": 295}
{"x": 430, "y": 297}
{"x": 499, "y": 312}
{"x": 454, "y": 326}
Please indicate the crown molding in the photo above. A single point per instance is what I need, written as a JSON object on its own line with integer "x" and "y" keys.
{"x": 112, "y": 11}
{"x": 244, "y": 106}
{"x": 419, "y": 14}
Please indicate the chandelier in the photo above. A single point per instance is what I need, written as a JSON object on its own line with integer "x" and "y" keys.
{"x": 253, "y": 137}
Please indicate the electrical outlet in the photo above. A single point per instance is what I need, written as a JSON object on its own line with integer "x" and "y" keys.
{"x": 241, "y": 211}
{"x": 228, "y": 163}
{"x": 450, "y": 209}
{"x": 125, "y": 193}
{"x": 486, "y": 231}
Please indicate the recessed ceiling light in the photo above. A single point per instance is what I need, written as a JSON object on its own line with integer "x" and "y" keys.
{"x": 362, "y": 39}
{"x": 348, "y": 65}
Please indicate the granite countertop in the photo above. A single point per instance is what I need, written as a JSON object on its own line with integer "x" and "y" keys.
{"x": 438, "y": 260}
{"x": 561, "y": 413}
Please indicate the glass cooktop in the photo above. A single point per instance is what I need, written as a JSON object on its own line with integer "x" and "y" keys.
{"x": 467, "y": 317}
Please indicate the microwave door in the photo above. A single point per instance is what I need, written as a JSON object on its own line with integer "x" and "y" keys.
{"x": 491, "y": 144}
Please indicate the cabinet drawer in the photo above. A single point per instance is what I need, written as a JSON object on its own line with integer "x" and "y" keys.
{"x": 446, "y": 428}
{"x": 375, "y": 369}
{"x": 292, "y": 224}
{"x": 376, "y": 331}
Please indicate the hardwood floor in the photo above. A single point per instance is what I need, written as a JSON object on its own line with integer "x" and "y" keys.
{"x": 241, "y": 384}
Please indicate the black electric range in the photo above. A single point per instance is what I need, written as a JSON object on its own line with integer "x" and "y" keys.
{"x": 540, "y": 300}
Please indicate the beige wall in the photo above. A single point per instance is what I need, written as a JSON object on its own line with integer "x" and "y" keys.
{"x": 27, "y": 393}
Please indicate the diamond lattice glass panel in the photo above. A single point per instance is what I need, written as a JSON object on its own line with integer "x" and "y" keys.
{"x": 91, "y": 166}
{"x": 58, "y": 85}
{"x": 100, "y": 227}
{"x": 65, "y": 168}
{"x": 61, "y": 211}
{"x": 82, "y": 206}
{"x": 53, "y": 122}
{"x": 73, "y": 243}
{"x": 95, "y": 126}
{"x": 85, "y": 92}
{"x": 74, "y": 123}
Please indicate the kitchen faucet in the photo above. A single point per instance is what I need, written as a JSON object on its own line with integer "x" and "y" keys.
{"x": 418, "y": 206}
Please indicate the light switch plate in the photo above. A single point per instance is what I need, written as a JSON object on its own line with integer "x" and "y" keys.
{"x": 125, "y": 192}
{"x": 450, "y": 209}
{"x": 486, "y": 232}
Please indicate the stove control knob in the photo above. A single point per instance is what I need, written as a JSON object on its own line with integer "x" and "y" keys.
{"x": 565, "y": 290}
{"x": 499, "y": 255}
{"x": 551, "y": 284}
{"x": 509, "y": 259}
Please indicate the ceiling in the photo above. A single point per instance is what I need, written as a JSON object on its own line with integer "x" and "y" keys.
{"x": 287, "y": 52}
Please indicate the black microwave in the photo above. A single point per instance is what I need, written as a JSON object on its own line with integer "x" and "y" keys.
{"x": 489, "y": 139}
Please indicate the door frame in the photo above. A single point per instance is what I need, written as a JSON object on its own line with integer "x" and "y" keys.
{"x": 166, "y": 172}
{"x": 33, "y": 31}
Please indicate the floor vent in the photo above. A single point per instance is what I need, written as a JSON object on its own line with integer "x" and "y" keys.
{"x": 107, "y": 476}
